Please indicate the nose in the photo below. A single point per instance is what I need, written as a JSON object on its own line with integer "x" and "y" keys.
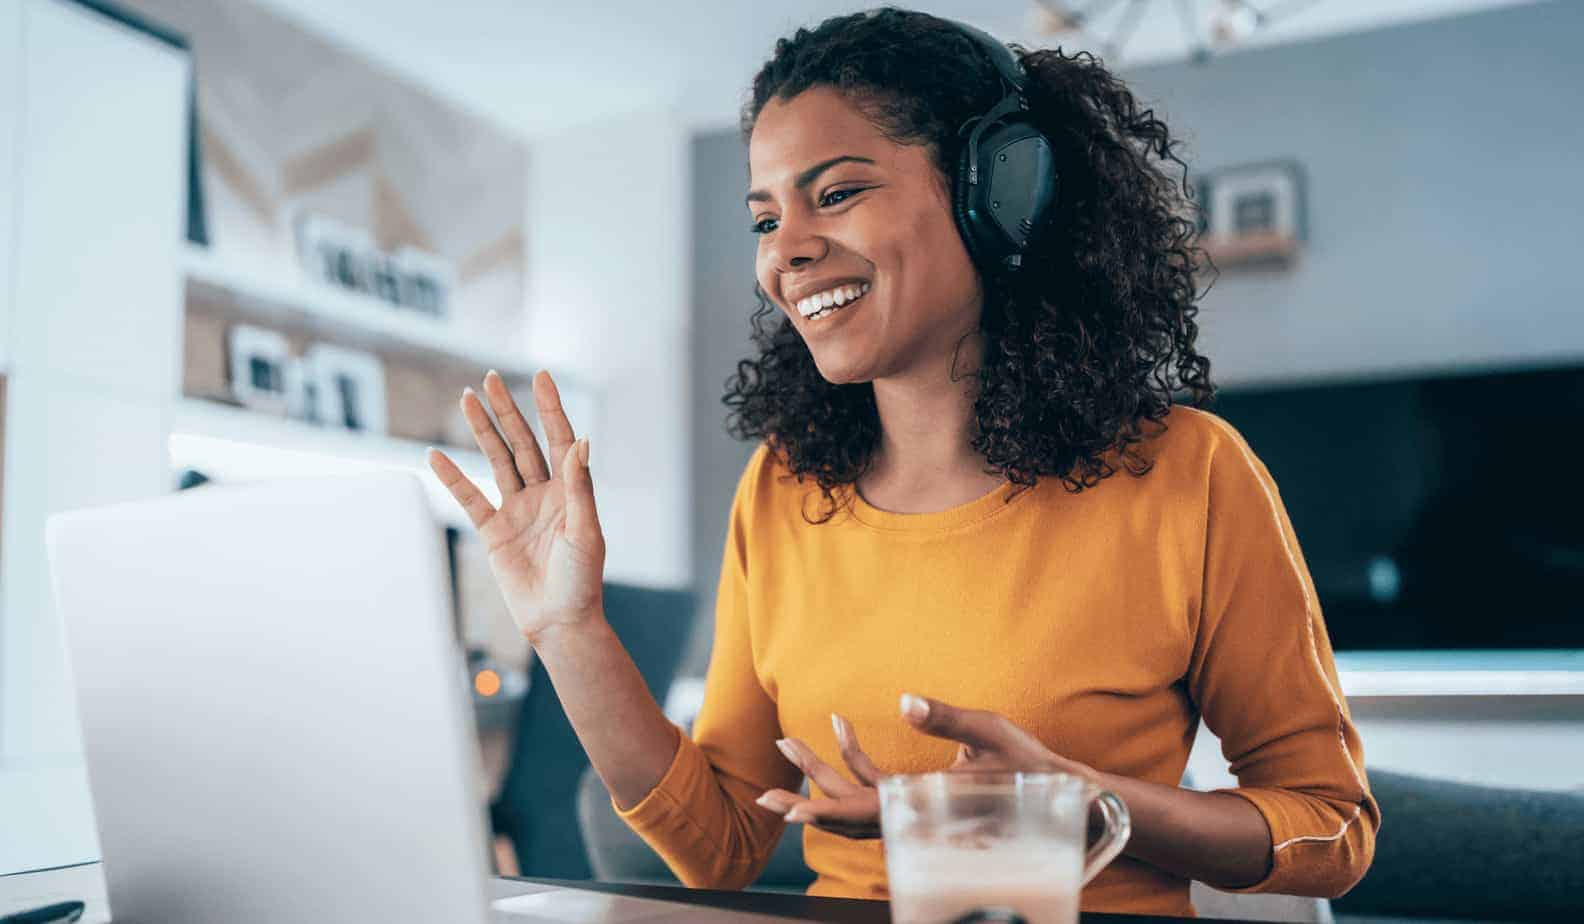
{"x": 796, "y": 245}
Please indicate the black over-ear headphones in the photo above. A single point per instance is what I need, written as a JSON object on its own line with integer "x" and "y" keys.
{"x": 1006, "y": 183}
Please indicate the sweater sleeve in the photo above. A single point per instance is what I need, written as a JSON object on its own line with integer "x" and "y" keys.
{"x": 701, "y": 818}
{"x": 1265, "y": 682}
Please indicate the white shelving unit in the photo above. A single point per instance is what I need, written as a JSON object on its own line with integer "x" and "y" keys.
{"x": 349, "y": 318}
{"x": 234, "y": 444}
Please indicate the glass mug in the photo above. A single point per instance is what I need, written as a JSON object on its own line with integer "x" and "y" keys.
{"x": 965, "y": 846}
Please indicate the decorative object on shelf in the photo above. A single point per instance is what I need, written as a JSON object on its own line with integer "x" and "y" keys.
{"x": 263, "y": 373}
{"x": 344, "y": 388}
{"x": 1252, "y": 214}
{"x": 340, "y": 255}
{"x": 424, "y": 279}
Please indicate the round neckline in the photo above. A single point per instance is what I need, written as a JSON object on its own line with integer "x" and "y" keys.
{"x": 980, "y": 508}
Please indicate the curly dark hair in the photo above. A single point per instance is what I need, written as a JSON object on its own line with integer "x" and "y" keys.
{"x": 1090, "y": 339}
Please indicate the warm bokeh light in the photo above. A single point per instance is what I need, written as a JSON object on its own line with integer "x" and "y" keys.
{"x": 487, "y": 683}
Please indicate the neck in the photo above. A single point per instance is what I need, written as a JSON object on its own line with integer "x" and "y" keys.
{"x": 924, "y": 460}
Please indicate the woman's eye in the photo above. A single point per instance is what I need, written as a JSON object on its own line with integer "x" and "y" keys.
{"x": 831, "y": 198}
{"x": 763, "y": 226}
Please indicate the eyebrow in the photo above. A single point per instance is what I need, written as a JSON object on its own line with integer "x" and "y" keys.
{"x": 808, "y": 176}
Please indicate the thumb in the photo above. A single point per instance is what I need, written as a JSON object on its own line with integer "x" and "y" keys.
{"x": 582, "y": 519}
{"x": 979, "y": 730}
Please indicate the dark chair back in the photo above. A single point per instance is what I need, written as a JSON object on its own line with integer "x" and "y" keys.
{"x": 537, "y": 804}
{"x": 1458, "y": 851}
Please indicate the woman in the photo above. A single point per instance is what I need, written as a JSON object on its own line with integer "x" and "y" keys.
{"x": 973, "y": 492}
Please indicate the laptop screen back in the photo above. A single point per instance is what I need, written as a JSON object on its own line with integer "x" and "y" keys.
{"x": 273, "y": 704}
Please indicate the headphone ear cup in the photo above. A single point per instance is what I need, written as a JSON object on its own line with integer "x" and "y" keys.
{"x": 1000, "y": 215}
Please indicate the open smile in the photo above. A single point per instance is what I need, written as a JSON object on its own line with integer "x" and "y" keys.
{"x": 822, "y": 305}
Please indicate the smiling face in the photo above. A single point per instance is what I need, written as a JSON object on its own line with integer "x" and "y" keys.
{"x": 856, "y": 241}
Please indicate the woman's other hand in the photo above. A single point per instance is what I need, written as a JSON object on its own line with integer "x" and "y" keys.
{"x": 545, "y": 545}
{"x": 986, "y": 741}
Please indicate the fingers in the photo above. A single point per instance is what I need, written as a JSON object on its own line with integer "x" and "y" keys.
{"x": 979, "y": 730}
{"x": 857, "y": 761}
{"x": 558, "y": 430}
{"x": 473, "y": 501}
{"x": 779, "y": 801}
{"x": 855, "y": 817}
{"x": 822, "y": 774}
{"x": 860, "y": 809}
{"x": 490, "y": 443}
{"x": 530, "y": 463}
{"x": 582, "y": 518}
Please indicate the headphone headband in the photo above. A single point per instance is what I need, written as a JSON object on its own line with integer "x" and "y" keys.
{"x": 1006, "y": 183}
{"x": 998, "y": 54}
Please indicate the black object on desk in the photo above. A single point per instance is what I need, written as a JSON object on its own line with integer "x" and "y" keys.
{"x": 802, "y": 907}
{"x": 62, "y": 913}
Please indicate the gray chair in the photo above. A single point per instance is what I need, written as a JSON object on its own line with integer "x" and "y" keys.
{"x": 616, "y": 854}
{"x": 1454, "y": 851}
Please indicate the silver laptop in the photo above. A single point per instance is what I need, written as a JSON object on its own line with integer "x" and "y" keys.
{"x": 276, "y": 715}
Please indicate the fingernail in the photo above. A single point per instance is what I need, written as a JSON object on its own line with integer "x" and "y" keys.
{"x": 840, "y": 729}
{"x": 492, "y": 372}
{"x": 583, "y": 449}
{"x": 764, "y": 801}
{"x": 915, "y": 707}
{"x": 786, "y": 749}
{"x": 797, "y": 814}
{"x": 467, "y": 390}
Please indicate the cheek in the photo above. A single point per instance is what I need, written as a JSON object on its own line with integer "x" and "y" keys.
{"x": 939, "y": 270}
{"x": 763, "y": 274}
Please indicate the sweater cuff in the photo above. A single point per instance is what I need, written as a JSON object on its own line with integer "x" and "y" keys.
{"x": 1308, "y": 844}
{"x": 664, "y": 798}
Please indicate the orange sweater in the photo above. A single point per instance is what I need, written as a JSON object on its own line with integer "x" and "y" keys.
{"x": 1105, "y": 622}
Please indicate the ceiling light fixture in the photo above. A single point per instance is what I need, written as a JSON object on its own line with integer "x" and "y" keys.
{"x": 1231, "y": 22}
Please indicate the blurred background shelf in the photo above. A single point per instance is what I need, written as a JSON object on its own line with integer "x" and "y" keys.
{"x": 348, "y": 318}
{"x": 232, "y": 444}
{"x": 1551, "y": 672}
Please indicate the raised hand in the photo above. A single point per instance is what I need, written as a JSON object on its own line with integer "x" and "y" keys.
{"x": 545, "y": 545}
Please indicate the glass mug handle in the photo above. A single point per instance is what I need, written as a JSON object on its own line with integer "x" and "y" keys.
{"x": 1118, "y": 827}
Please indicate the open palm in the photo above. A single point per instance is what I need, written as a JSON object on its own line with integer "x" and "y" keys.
{"x": 545, "y": 545}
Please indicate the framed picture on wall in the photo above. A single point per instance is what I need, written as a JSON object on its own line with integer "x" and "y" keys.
{"x": 1252, "y": 213}
{"x": 261, "y": 368}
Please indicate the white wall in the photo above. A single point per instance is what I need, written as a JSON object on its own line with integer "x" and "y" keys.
{"x": 1443, "y": 198}
{"x": 607, "y": 300}
{"x": 10, "y": 145}
{"x": 98, "y": 190}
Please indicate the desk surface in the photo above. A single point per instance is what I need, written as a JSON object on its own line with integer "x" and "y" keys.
{"x": 800, "y": 907}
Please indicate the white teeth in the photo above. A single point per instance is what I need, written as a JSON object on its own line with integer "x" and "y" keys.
{"x": 822, "y": 303}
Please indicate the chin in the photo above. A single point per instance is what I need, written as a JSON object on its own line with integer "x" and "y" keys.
{"x": 842, "y": 370}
